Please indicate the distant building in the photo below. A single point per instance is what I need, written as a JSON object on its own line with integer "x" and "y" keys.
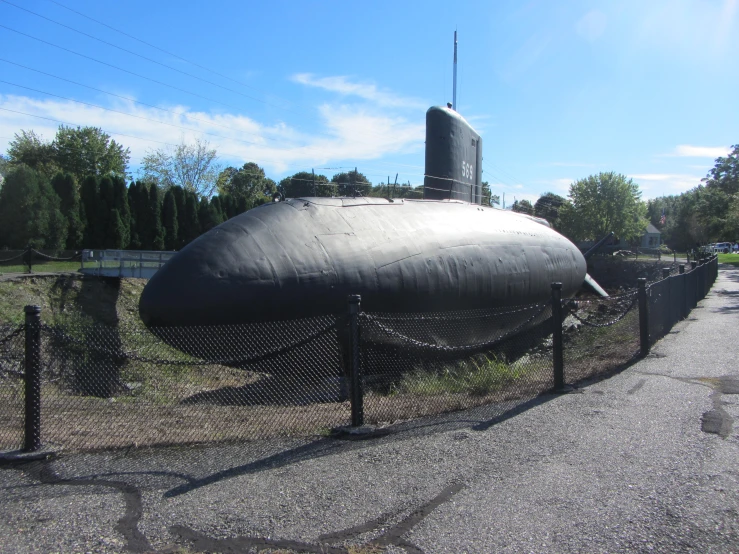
{"x": 651, "y": 238}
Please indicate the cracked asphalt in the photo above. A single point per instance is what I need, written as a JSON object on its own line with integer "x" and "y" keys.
{"x": 645, "y": 461}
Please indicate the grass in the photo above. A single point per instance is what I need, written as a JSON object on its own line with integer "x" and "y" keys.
{"x": 730, "y": 259}
{"x": 49, "y": 267}
{"x": 477, "y": 376}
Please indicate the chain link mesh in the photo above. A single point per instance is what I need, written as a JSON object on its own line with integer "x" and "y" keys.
{"x": 12, "y": 386}
{"x": 112, "y": 387}
{"x": 426, "y": 364}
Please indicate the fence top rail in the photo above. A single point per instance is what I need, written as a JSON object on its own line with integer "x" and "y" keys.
{"x": 126, "y": 255}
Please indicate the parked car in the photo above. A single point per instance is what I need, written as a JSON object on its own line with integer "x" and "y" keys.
{"x": 722, "y": 248}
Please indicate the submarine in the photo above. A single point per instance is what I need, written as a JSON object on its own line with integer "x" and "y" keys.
{"x": 301, "y": 257}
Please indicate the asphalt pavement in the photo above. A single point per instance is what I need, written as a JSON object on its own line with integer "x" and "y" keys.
{"x": 645, "y": 461}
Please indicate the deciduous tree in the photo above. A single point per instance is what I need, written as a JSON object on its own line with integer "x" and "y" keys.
{"x": 193, "y": 167}
{"x": 603, "y": 203}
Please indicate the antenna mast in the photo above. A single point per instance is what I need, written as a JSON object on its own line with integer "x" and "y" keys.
{"x": 454, "y": 93}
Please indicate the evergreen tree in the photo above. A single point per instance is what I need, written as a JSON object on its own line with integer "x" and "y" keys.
{"x": 208, "y": 215}
{"x": 169, "y": 217}
{"x": 105, "y": 204}
{"x": 133, "y": 205}
{"x": 120, "y": 203}
{"x": 116, "y": 230}
{"x": 89, "y": 202}
{"x": 191, "y": 230}
{"x": 156, "y": 237}
{"x": 179, "y": 200}
{"x": 65, "y": 187}
{"x": 29, "y": 211}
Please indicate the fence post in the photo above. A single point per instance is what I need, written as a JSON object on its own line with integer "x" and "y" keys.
{"x": 681, "y": 269}
{"x": 557, "y": 354}
{"x": 356, "y": 393}
{"x": 643, "y": 317}
{"x": 693, "y": 264}
{"x": 665, "y": 272}
{"x": 32, "y": 437}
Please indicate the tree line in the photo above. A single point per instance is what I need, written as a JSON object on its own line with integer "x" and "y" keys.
{"x": 74, "y": 192}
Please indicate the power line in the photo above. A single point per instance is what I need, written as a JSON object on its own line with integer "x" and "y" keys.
{"x": 131, "y": 115}
{"x": 146, "y": 58}
{"x": 129, "y": 99}
{"x": 163, "y": 50}
{"x": 118, "y": 68}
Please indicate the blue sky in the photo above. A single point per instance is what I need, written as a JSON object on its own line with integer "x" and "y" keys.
{"x": 558, "y": 90}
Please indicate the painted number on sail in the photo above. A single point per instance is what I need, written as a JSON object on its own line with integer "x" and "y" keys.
{"x": 467, "y": 170}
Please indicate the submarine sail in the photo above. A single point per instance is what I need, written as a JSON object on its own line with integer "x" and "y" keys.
{"x": 453, "y": 158}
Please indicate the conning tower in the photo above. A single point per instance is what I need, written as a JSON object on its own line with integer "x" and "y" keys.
{"x": 453, "y": 158}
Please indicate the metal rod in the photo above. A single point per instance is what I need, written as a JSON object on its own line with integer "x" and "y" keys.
{"x": 454, "y": 89}
{"x": 557, "y": 354}
{"x": 32, "y": 437}
{"x": 643, "y": 317}
{"x": 357, "y": 389}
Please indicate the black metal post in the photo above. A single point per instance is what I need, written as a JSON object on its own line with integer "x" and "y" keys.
{"x": 356, "y": 394}
{"x": 32, "y": 440}
{"x": 665, "y": 272}
{"x": 557, "y": 354}
{"x": 681, "y": 269}
{"x": 693, "y": 264}
{"x": 643, "y": 317}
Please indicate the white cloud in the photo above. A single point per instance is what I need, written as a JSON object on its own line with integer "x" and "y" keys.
{"x": 689, "y": 151}
{"x": 367, "y": 91}
{"x": 660, "y": 184}
{"x": 592, "y": 25}
{"x": 347, "y": 133}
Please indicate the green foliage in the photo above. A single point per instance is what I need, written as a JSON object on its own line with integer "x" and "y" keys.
{"x": 523, "y": 207}
{"x": 28, "y": 148}
{"x": 89, "y": 151}
{"x": 249, "y": 182}
{"x": 603, "y": 203}
{"x": 191, "y": 230}
{"x": 66, "y": 188}
{"x": 116, "y": 231}
{"x": 350, "y": 183}
{"x": 305, "y": 183}
{"x": 209, "y": 215}
{"x": 155, "y": 237}
{"x": 89, "y": 202}
{"x": 30, "y": 211}
{"x": 548, "y": 206}
{"x": 725, "y": 173}
{"x": 120, "y": 203}
{"x": 133, "y": 205}
{"x": 171, "y": 223}
{"x": 105, "y": 204}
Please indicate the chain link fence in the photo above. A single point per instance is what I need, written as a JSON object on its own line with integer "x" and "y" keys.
{"x": 113, "y": 387}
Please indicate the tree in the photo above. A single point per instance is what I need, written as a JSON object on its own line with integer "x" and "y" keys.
{"x": 116, "y": 231}
{"x": 304, "y": 183}
{"x": 29, "y": 211}
{"x": 66, "y": 188}
{"x": 191, "y": 231}
{"x": 603, "y": 203}
{"x": 247, "y": 182}
{"x": 170, "y": 220}
{"x": 28, "y": 148}
{"x": 194, "y": 167}
{"x": 351, "y": 183}
{"x": 155, "y": 237}
{"x": 89, "y": 151}
{"x": 547, "y": 207}
{"x": 4, "y": 166}
{"x": 120, "y": 203}
{"x": 89, "y": 201}
{"x": 725, "y": 173}
{"x": 523, "y": 207}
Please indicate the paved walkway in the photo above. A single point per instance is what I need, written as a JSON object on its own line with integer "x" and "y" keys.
{"x": 644, "y": 461}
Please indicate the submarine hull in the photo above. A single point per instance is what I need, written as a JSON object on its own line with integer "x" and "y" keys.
{"x": 301, "y": 258}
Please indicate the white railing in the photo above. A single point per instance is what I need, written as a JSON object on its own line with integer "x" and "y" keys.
{"x": 140, "y": 264}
